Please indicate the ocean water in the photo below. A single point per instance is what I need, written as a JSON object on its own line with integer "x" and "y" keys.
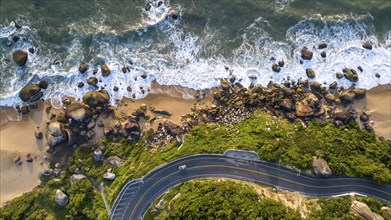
{"x": 189, "y": 43}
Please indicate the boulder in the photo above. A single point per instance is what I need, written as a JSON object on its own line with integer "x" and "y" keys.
{"x": 347, "y": 96}
{"x": 38, "y": 134}
{"x": 20, "y": 57}
{"x": 306, "y": 54}
{"x": 76, "y": 177}
{"x": 364, "y": 118}
{"x": 105, "y": 70}
{"x": 339, "y": 75}
{"x": 172, "y": 128}
{"x": 315, "y": 86}
{"x": 350, "y": 74}
{"x": 160, "y": 111}
{"x": 367, "y": 45}
{"x": 83, "y": 68}
{"x": 96, "y": 98}
{"x": 330, "y": 98}
{"x": 276, "y": 68}
{"x": 56, "y": 134}
{"x": 80, "y": 85}
{"x": 322, "y": 46}
{"x": 98, "y": 155}
{"x": 364, "y": 211}
{"x": 43, "y": 84}
{"x": 303, "y": 110}
{"x": 323, "y": 54}
{"x": 114, "y": 160}
{"x": 343, "y": 115}
{"x": 61, "y": 198}
{"x": 109, "y": 175}
{"x": 78, "y": 112}
{"x": 286, "y": 104}
{"x": 321, "y": 167}
{"x": 29, "y": 91}
{"x": 360, "y": 93}
{"x": 310, "y": 73}
{"x": 131, "y": 126}
{"x": 225, "y": 85}
{"x": 92, "y": 81}
{"x": 36, "y": 97}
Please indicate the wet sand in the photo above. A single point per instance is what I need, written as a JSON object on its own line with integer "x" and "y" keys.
{"x": 17, "y": 138}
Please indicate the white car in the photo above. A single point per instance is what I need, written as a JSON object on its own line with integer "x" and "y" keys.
{"x": 182, "y": 167}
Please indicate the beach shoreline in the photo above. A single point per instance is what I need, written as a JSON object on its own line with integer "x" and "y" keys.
{"x": 17, "y": 137}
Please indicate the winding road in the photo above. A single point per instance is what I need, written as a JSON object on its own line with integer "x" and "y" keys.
{"x": 136, "y": 196}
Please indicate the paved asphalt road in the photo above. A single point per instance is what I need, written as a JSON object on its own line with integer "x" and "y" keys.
{"x": 136, "y": 198}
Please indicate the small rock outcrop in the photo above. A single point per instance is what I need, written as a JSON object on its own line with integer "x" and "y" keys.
{"x": 20, "y": 57}
{"x": 321, "y": 167}
{"x": 172, "y": 128}
{"x": 114, "y": 160}
{"x": 96, "y": 98}
{"x": 109, "y": 175}
{"x": 56, "y": 134}
{"x": 363, "y": 210}
{"x": 76, "y": 177}
{"x": 61, "y": 198}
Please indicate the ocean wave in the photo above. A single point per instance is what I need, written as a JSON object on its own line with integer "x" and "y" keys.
{"x": 161, "y": 49}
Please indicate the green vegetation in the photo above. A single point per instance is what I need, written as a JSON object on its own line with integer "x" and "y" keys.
{"x": 348, "y": 149}
{"x": 334, "y": 208}
{"x": 213, "y": 199}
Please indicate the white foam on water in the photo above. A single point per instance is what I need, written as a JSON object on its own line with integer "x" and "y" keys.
{"x": 177, "y": 57}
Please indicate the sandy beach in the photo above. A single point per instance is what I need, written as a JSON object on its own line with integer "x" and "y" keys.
{"x": 378, "y": 104}
{"x": 17, "y": 138}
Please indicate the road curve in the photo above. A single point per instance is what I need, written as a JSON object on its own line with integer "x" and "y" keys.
{"x": 136, "y": 197}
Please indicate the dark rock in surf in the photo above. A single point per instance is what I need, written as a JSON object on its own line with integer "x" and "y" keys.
{"x": 83, "y": 68}
{"x": 20, "y": 57}
{"x": 339, "y": 75}
{"x": 310, "y": 73}
{"x": 367, "y": 45}
{"x": 43, "y": 84}
{"x": 105, "y": 70}
{"x": 29, "y": 91}
{"x": 276, "y": 68}
{"x": 323, "y": 54}
{"x": 306, "y": 54}
{"x": 92, "y": 81}
{"x": 31, "y": 50}
{"x": 322, "y": 46}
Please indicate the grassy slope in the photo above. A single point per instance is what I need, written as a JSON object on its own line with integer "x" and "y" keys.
{"x": 349, "y": 151}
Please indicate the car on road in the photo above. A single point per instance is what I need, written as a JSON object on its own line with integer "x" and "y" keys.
{"x": 182, "y": 167}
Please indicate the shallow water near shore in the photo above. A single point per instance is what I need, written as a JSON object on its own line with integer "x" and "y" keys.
{"x": 192, "y": 48}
